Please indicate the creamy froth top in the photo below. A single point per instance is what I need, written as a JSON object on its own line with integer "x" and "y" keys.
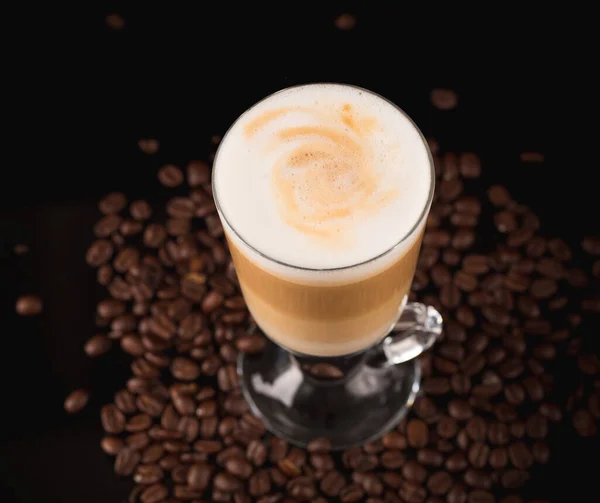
{"x": 322, "y": 176}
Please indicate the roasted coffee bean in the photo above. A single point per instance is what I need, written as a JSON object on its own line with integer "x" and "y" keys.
{"x": 417, "y": 433}
{"x": 137, "y": 441}
{"x": 473, "y": 364}
{"x": 208, "y": 446}
{"x": 112, "y": 203}
{"x": 107, "y": 225}
{"x": 148, "y": 474}
{"x": 476, "y": 429}
{"x": 478, "y": 454}
{"x": 97, "y": 345}
{"x": 152, "y": 453}
{"x": 541, "y": 452}
{"x": 412, "y": 493}
{"x": 351, "y": 493}
{"x": 150, "y": 404}
{"x": 461, "y": 384}
{"x": 112, "y": 445}
{"x": 478, "y": 479}
{"x": 132, "y": 344}
{"x": 139, "y": 422}
{"x": 184, "y": 369}
{"x": 154, "y": 494}
{"x": 584, "y": 423}
{"x": 536, "y": 426}
{"x": 391, "y": 459}
{"x": 260, "y": 483}
{"x": 447, "y": 427}
{"x": 76, "y": 402}
{"x": 439, "y": 483}
{"x": 126, "y": 461}
{"x": 460, "y": 409}
{"x": 430, "y": 457}
{"x": 113, "y": 420}
{"x": 250, "y": 343}
{"x": 543, "y": 288}
{"x": 170, "y": 176}
{"x": 498, "y": 433}
{"x": 425, "y": 408}
{"x": 301, "y": 488}
{"x": 414, "y": 472}
{"x": 479, "y": 496}
{"x": 288, "y": 468}
{"x": 198, "y": 173}
{"x": 154, "y": 235}
{"x": 498, "y": 458}
{"x": 456, "y": 462}
{"x": 332, "y": 484}
{"x": 226, "y": 482}
{"x": 99, "y": 253}
{"x": 322, "y": 462}
{"x": 125, "y": 401}
{"x": 458, "y": 494}
{"x": 394, "y": 440}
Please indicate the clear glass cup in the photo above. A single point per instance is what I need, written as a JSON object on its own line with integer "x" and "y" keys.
{"x": 359, "y": 383}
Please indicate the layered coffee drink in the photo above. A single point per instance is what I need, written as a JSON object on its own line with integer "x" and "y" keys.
{"x": 323, "y": 192}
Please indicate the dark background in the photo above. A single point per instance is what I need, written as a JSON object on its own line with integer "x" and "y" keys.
{"x": 90, "y": 93}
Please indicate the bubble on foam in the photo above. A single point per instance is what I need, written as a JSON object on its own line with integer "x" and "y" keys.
{"x": 322, "y": 176}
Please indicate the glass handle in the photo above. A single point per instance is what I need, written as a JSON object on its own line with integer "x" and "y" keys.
{"x": 417, "y": 329}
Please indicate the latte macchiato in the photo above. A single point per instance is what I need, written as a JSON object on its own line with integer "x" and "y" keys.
{"x": 323, "y": 190}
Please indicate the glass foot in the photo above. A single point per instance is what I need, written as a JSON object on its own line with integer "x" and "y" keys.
{"x": 348, "y": 400}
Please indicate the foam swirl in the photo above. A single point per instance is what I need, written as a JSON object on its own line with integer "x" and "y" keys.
{"x": 324, "y": 177}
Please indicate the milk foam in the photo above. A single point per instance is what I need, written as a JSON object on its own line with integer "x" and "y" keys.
{"x": 322, "y": 176}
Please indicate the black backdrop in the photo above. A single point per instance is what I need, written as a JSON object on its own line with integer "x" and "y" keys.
{"x": 180, "y": 76}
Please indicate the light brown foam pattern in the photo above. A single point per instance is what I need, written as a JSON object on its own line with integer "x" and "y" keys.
{"x": 326, "y": 319}
{"x": 325, "y": 179}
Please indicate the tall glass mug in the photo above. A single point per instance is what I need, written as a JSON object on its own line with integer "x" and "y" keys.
{"x": 323, "y": 191}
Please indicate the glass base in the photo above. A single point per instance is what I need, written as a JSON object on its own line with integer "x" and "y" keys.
{"x": 350, "y": 400}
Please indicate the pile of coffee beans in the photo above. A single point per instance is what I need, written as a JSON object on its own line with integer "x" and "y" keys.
{"x": 182, "y": 430}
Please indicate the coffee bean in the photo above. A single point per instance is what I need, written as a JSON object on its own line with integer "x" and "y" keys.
{"x": 451, "y": 257}
{"x": 137, "y": 441}
{"x": 170, "y": 176}
{"x": 543, "y": 288}
{"x": 461, "y": 384}
{"x": 473, "y": 364}
{"x": 478, "y": 454}
{"x": 425, "y": 408}
{"x": 584, "y": 423}
{"x": 417, "y": 433}
{"x": 250, "y": 343}
{"x": 113, "y": 420}
{"x": 112, "y": 203}
{"x": 436, "y": 385}
{"x": 260, "y": 483}
{"x": 498, "y": 195}
{"x": 513, "y": 479}
{"x": 480, "y": 496}
{"x": 76, "y": 401}
{"x": 559, "y": 249}
{"x": 477, "y": 479}
{"x": 442, "y": 99}
{"x": 148, "y": 474}
{"x": 154, "y": 235}
{"x": 107, "y": 225}
{"x": 184, "y": 369}
{"x": 456, "y": 462}
{"x": 430, "y": 457}
{"x": 351, "y": 493}
{"x": 126, "y": 461}
{"x": 439, "y": 483}
{"x": 447, "y": 427}
{"x": 112, "y": 445}
{"x": 459, "y": 409}
{"x": 457, "y": 494}
{"x": 536, "y": 426}
{"x": 465, "y": 281}
{"x": 498, "y": 433}
{"x": 198, "y": 173}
